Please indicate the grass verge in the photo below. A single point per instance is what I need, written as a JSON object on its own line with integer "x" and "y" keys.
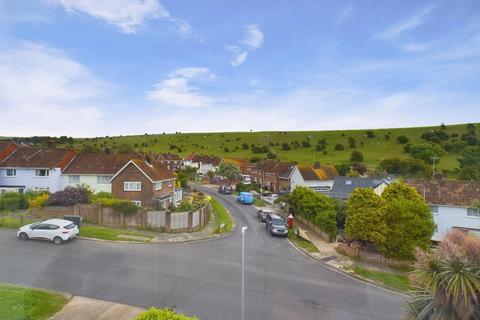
{"x": 13, "y": 223}
{"x": 392, "y": 280}
{"x": 259, "y": 202}
{"x": 105, "y": 233}
{"x": 25, "y": 303}
{"x": 221, "y": 216}
{"x": 302, "y": 243}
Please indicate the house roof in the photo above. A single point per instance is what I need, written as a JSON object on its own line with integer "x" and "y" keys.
{"x": 214, "y": 160}
{"x": 282, "y": 169}
{"x": 38, "y": 158}
{"x": 96, "y": 163}
{"x": 343, "y": 186}
{"x": 168, "y": 156}
{"x": 155, "y": 171}
{"x": 447, "y": 192}
{"x": 310, "y": 173}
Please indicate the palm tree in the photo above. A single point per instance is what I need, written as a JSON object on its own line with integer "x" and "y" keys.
{"x": 448, "y": 281}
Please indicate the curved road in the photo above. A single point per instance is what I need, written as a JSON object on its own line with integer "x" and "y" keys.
{"x": 200, "y": 278}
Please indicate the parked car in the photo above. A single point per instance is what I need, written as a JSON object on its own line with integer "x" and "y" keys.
{"x": 261, "y": 215}
{"x": 276, "y": 225}
{"x": 245, "y": 198}
{"x": 225, "y": 189}
{"x": 56, "y": 230}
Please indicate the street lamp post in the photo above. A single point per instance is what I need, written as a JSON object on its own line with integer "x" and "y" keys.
{"x": 243, "y": 271}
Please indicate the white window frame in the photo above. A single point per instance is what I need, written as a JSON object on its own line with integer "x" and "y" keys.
{"x": 99, "y": 180}
{"x": 473, "y": 213}
{"x": 170, "y": 183}
{"x": 14, "y": 171}
{"x": 47, "y": 173}
{"x": 74, "y": 178}
{"x": 137, "y": 202}
{"x": 158, "y": 185}
{"x": 128, "y": 186}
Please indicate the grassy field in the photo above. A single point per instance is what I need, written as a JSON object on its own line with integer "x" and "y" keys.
{"x": 392, "y": 280}
{"x": 19, "y": 303}
{"x": 221, "y": 216}
{"x": 112, "y": 234}
{"x": 383, "y": 145}
{"x": 302, "y": 243}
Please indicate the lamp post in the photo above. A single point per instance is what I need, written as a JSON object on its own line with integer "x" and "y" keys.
{"x": 243, "y": 271}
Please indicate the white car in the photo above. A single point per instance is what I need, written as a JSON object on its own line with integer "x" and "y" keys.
{"x": 56, "y": 230}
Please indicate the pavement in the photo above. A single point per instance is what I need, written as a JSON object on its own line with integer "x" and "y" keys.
{"x": 200, "y": 278}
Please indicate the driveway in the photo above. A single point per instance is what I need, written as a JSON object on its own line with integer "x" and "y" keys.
{"x": 200, "y": 278}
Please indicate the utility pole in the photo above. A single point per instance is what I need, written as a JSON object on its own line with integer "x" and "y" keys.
{"x": 243, "y": 271}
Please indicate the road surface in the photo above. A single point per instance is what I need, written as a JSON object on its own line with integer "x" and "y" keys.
{"x": 200, "y": 278}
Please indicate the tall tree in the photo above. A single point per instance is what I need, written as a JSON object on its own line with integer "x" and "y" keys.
{"x": 470, "y": 164}
{"x": 229, "y": 170}
{"x": 366, "y": 217}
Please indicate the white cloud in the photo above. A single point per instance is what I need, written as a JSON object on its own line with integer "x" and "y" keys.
{"x": 127, "y": 15}
{"x": 345, "y": 13}
{"x": 253, "y": 37}
{"x": 177, "y": 91}
{"x": 408, "y": 24}
{"x": 414, "y": 47}
{"x": 252, "y": 40}
{"x": 43, "y": 91}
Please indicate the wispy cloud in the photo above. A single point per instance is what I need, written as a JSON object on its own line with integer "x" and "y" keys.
{"x": 253, "y": 39}
{"x": 43, "y": 91}
{"x": 408, "y": 24}
{"x": 414, "y": 47}
{"x": 345, "y": 14}
{"x": 177, "y": 90}
{"x": 128, "y": 15}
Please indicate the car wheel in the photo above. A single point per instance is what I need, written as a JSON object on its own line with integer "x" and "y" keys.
{"x": 23, "y": 236}
{"x": 57, "y": 240}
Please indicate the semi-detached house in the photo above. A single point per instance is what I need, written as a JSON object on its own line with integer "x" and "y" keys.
{"x": 34, "y": 169}
{"x": 275, "y": 176}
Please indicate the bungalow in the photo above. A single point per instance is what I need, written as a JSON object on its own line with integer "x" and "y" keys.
{"x": 343, "y": 186}
{"x": 35, "y": 169}
{"x": 319, "y": 178}
{"x": 451, "y": 204}
{"x": 172, "y": 161}
{"x": 147, "y": 184}
{"x": 93, "y": 170}
{"x": 275, "y": 176}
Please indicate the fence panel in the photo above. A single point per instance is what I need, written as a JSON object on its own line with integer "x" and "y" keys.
{"x": 179, "y": 220}
{"x": 195, "y": 219}
{"x": 156, "y": 219}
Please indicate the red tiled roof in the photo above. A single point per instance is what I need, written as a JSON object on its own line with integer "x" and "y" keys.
{"x": 39, "y": 158}
{"x": 447, "y": 192}
{"x": 214, "y": 160}
{"x": 156, "y": 171}
{"x": 282, "y": 169}
{"x": 6, "y": 149}
{"x": 168, "y": 156}
{"x": 96, "y": 163}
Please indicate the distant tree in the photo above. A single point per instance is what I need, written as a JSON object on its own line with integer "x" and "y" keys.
{"x": 370, "y": 134}
{"x": 342, "y": 169}
{"x": 125, "y": 148}
{"x": 426, "y": 152}
{"x": 360, "y": 168}
{"x": 271, "y": 155}
{"x": 356, "y": 156}
{"x": 351, "y": 142}
{"x": 365, "y": 220}
{"x": 443, "y": 126}
{"x": 226, "y": 149}
{"x": 230, "y": 171}
{"x": 404, "y": 167}
{"x": 306, "y": 144}
{"x": 470, "y": 164}
{"x": 182, "y": 177}
{"x": 286, "y": 146}
{"x": 339, "y": 147}
{"x": 435, "y": 136}
{"x": 387, "y": 137}
{"x": 320, "y": 147}
{"x": 402, "y": 139}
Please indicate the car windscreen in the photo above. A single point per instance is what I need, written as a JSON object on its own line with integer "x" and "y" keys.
{"x": 69, "y": 226}
{"x": 278, "y": 222}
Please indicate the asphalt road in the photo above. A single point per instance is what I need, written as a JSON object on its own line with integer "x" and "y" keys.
{"x": 200, "y": 278}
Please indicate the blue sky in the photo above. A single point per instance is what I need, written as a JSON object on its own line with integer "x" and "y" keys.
{"x": 111, "y": 67}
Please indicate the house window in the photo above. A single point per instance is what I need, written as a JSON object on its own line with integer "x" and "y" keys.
{"x": 42, "y": 172}
{"x": 471, "y": 212}
{"x": 137, "y": 202}
{"x": 436, "y": 228}
{"x": 158, "y": 185}
{"x": 11, "y": 172}
{"x": 132, "y": 186}
{"x": 434, "y": 209}
{"x": 103, "y": 179}
{"x": 74, "y": 179}
{"x": 170, "y": 183}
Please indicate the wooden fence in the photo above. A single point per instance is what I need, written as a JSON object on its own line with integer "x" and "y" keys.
{"x": 357, "y": 252}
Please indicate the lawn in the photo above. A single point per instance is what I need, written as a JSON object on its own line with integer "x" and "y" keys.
{"x": 259, "y": 202}
{"x": 383, "y": 145}
{"x": 302, "y": 243}
{"x": 105, "y": 233}
{"x": 392, "y": 280}
{"x": 14, "y": 223}
{"x": 221, "y": 216}
{"x": 28, "y": 304}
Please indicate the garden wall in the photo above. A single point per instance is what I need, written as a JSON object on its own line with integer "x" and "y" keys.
{"x": 356, "y": 252}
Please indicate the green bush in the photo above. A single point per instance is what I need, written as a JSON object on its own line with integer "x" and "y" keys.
{"x": 242, "y": 187}
{"x": 162, "y": 314}
{"x": 184, "y": 206}
{"x": 13, "y": 201}
{"x": 122, "y": 206}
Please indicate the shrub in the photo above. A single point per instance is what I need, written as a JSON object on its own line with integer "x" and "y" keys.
{"x": 351, "y": 142}
{"x": 402, "y": 139}
{"x": 245, "y": 146}
{"x": 271, "y": 155}
{"x": 339, "y": 147}
{"x": 162, "y": 314}
{"x": 342, "y": 169}
{"x": 286, "y": 146}
{"x": 360, "y": 168}
{"x": 435, "y": 136}
{"x": 404, "y": 167}
{"x": 306, "y": 144}
{"x": 184, "y": 206}
{"x": 39, "y": 201}
{"x": 119, "y": 205}
{"x": 356, "y": 156}
{"x": 13, "y": 201}
{"x": 370, "y": 134}
{"x": 425, "y": 152}
{"x": 68, "y": 197}
{"x": 242, "y": 187}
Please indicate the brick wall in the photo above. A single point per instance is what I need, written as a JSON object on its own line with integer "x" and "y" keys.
{"x": 132, "y": 174}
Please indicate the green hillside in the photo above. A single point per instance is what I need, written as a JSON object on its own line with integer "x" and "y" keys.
{"x": 382, "y": 145}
